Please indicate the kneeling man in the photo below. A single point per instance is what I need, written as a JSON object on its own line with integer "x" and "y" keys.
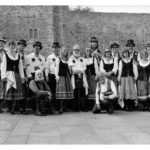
{"x": 106, "y": 94}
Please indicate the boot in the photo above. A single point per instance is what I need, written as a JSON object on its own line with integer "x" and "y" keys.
{"x": 96, "y": 110}
{"x": 61, "y": 106}
{"x": 1, "y": 111}
{"x": 111, "y": 108}
{"x": 13, "y": 107}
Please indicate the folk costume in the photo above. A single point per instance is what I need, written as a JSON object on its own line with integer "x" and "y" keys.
{"x": 143, "y": 82}
{"x": 12, "y": 70}
{"x": 21, "y": 51}
{"x": 91, "y": 74}
{"x": 64, "y": 90}
{"x": 109, "y": 67}
{"x": 128, "y": 75}
{"x": 105, "y": 95}
{"x": 77, "y": 64}
{"x": 50, "y": 72}
{"x": 35, "y": 61}
{"x": 2, "y": 50}
{"x": 39, "y": 94}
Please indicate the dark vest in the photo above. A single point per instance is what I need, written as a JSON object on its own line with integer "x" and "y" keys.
{"x": 90, "y": 70}
{"x": 63, "y": 68}
{"x": 12, "y": 65}
{"x": 127, "y": 69}
{"x": 40, "y": 86}
{"x": 108, "y": 67}
{"x": 143, "y": 71}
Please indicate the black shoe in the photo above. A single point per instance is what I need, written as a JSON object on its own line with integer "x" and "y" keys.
{"x": 24, "y": 112}
{"x": 61, "y": 111}
{"x": 1, "y": 111}
{"x": 111, "y": 110}
{"x": 96, "y": 110}
{"x": 37, "y": 113}
{"x": 56, "y": 113}
{"x": 12, "y": 112}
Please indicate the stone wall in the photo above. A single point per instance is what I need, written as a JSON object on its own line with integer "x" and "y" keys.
{"x": 17, "y": 21}
{"x": 58, "y": 23}
{"x": 107, "y": 27}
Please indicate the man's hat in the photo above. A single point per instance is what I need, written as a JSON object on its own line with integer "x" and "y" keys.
{"x": 37, "y": 43}
{"x": 23, "y": 42}
{"x": 93, "y": 39}
{"x": 130, "y": 43}
{"x": 114, "y": 44}
{"x": 2, "y": 39}
{"x": 55, "y": 45}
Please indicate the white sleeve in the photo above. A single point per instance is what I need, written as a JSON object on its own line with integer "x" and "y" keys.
{"x": 43, "y": 66}
{"x": 57, "y": 67}
{"x": 96, "y": 67}
{"x": 102, "y": 67}
{"x": 135, "y": 70}
{"x": 120, "y": 69}
{"x": 97, "y": 94}
{"x": 3, "y": 66}
{"x": 47, "y": 64}
{"x": 115, "y": 68}
{"x": 28, "y": 70}
{"x": 113, "y": 88}
{"x": 83, "y": 66}
{"x": 21, "y": 70}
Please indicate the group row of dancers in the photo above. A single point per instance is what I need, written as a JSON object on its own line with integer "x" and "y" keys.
{"x": 110, "y": 79}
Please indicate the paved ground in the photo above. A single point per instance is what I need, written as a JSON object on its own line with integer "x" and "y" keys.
{"x": 76, "y": 128}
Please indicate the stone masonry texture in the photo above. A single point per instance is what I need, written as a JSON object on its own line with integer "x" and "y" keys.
{"x": 59, "y": 23}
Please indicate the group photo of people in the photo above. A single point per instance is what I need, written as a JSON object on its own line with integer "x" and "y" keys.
{"x": 66, "y": 81}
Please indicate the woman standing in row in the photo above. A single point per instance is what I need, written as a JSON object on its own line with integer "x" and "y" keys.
{"x": 143, "y": 82}
{"x": 127, "y": 77}
{"x": 91, "y": 63}
{"x": 109, "y": 66}
{"x": 12, "y": 73}
{"x": 2, "y": 50}
{"x": 64, "y": 91}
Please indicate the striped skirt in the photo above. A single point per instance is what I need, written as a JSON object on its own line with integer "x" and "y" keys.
{"x": 92, "y": 87}
{"x": 143, "y": 89}
{"x": 127, "y": 89}
{"x": 64, "y": 88}
{"x": 16, "y": 94}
